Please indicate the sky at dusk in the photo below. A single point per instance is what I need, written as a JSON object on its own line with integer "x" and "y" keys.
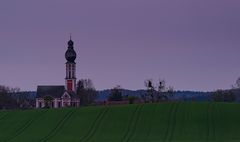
{"x": 192, "y": 44}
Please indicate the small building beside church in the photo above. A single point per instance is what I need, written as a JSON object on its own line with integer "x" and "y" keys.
{"x": 54, "y": 96}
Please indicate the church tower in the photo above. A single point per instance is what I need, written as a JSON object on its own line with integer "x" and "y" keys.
{"x": 70, "y": 55}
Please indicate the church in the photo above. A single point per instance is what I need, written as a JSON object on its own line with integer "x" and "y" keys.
{"x": 61, "y": 96}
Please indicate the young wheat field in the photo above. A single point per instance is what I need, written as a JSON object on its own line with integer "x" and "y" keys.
{"x": 163, "y": 122}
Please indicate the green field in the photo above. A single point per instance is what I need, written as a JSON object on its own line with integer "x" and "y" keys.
{"x": 166, "y": 122}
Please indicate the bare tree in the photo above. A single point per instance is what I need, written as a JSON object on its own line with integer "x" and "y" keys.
{"x": 86, "y": 91}
{"x": 161, "y": 85}
{"x": 6, "y": 101}
{"x": 162, "y": 94}
{"x": 170, "y": 91}
{"x": 237, "y": 84}
{"x": 161, "y": 89}
{"x": 14, "y": 90}
{"x": 150, "y": 93}
{"x": 223, "y": 96}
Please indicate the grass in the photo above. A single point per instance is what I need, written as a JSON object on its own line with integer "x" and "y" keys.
{"x": 165, "y": 122}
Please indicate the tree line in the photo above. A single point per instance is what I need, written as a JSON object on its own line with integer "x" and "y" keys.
{"x": 227, "y": 95}
{"x": 12, "y": 98}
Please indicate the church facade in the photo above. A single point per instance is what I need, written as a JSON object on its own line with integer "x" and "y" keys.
{"x": 53, "y": 96}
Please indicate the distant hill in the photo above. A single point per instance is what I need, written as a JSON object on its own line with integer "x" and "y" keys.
{"x": 30, "y": 95}
{"x": 163, "y": 122}
{"x": 177, "y": 95}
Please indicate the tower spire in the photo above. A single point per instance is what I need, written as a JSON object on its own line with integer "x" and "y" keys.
{"x": 70, "y": 36}
{"x": 70, "y": 55}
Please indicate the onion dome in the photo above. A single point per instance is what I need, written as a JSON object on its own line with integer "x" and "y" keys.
{"x": 70, "y": 54}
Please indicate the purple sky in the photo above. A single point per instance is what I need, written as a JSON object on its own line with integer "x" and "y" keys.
{"x": 192, "y": 44}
